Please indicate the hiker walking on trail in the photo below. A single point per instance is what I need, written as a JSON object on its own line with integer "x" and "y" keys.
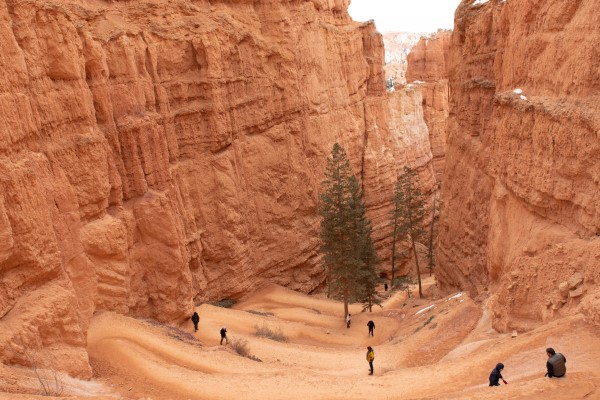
{"x": 195, "y": 320}
{"x": 224, "y": 335}
{"x": 385, "y": 286}
{"x": 371, "y": 326}
{"x": 370, "y": 358}
{"x": 496, "y": 375}
{"x": 348, "y": 320}
{"x": 556, "y": 364}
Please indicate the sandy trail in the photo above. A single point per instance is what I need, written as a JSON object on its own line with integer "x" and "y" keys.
{"x": 440, "y": 349}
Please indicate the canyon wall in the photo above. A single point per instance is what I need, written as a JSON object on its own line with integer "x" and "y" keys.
{"x": 521, "y": 195}
{"x": 428, "y": 70}
{"x": 154, "y": 154}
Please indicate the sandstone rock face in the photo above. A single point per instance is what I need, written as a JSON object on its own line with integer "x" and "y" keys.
{"x": 521, "y": 195}
{"x": 427, "y": 70}
{"x": 152, "y": 154}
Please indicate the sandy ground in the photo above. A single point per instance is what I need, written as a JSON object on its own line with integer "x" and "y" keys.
{"x": 424, "y": 349}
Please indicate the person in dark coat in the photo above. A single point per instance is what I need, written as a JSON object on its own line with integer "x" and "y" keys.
{"x": 224, "y": 335}
{"x": 496, "y": 375}
{"x": 348, "y": 320}
{"x": 195, "y": 320}
{"x": 556, "y": 364}
{"x": 371, "y": 326}
{"x": 385, "y": 286}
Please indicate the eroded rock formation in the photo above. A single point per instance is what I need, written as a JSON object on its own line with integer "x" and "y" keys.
{"x": 153, "y": 153}
{"x": 427, "y": 70}
{"x": 398, "y": 45}
{"x": 521, "y": 191}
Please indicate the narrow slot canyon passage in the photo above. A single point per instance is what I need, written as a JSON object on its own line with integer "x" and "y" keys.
{"x": 267, "y": 164}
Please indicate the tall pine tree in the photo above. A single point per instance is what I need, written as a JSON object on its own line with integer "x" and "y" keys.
{"x": 408, "y": 215}
{"x": 348, "y": 252}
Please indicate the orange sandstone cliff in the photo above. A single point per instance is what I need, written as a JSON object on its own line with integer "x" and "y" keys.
{"x": 153, "y": 154}
{"x": 521, "y": 194}
{"x": 427, "y": 70}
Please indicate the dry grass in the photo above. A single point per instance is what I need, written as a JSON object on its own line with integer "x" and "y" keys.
{"x": 241, "y": 347}
{"x": 270, "y": 333}
{"x": 261, "y": 313}
{"x": 50, "y": 381}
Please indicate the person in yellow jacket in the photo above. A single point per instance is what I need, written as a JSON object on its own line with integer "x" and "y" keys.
{"x": 370, "y": 358}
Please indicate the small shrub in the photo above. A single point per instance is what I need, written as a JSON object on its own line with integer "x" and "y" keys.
{"x": 225, "y": 303}
{"x": 270, "y": 333}
{"x": 425, "y": 324}
{"x": 175, "y": 332}
{"x": 240, "y": 346}
{"x": 261, "y": 313}
{"x": 50, "y": 381}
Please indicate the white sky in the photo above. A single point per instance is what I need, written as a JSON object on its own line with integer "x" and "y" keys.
{"x": 406, "y": 15}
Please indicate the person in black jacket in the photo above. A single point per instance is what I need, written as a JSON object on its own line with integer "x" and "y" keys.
{"x": 496, "y": 375}
{"x": 195, "y": 320}
{"x": 224, "y": 335}
{"x": 556, "y": 364}
{"x": 371, "y": 326}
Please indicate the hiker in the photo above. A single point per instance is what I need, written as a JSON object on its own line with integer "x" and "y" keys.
{"x": 496, "y": 375}
{"x": 348, "y": 320}
{"x": 385, "y": 286}
{"x": 370, "y": 358}
{"x": 195, "y": 320}
{"x": 224, "y": 335}
{"x": 556, "y": 364}
{"x": 371, "y": 326}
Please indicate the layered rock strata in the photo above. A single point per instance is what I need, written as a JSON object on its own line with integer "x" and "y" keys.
{"x": 154, "y": 154}
{"x": 521, "y": 191}
{"x": 427, "y": 70}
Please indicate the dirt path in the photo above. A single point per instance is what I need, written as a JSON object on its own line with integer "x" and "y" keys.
{"x": 441, "y": 349}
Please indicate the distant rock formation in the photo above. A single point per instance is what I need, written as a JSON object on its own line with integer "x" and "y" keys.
{"x": 398, "y": 45}
{"x": 428, "y": 70}
{"x": 521, "y": 189}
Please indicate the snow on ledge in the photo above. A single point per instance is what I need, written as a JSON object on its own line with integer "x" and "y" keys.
{"x": 479, "y": 2}
{"x": 456, "y": 296}
{"x": 523, "y": 98}
{"x": 425, "y": 309}
{"x": 518, "y": 91}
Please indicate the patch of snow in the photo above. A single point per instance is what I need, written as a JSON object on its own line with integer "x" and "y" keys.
{"x": 456, "y": 296}
{"x": 418, "y": 82}
{"x": 409, "y": 85}
{"x": 478, "y": 2}
{"x": 425, "y": 309}
{"x": 518, "y": 91}
{"x": 523, "y": 98}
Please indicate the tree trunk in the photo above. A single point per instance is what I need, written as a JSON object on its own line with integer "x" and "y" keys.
{"x": 370, "y": 304}
{"x": 394, "y": 251}
{"x": 417, "y": 264}
{"x": 431, "y": 240}
{"x": 345, "y": 304}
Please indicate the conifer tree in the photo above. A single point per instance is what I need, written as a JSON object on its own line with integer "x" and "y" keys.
{"x": 348, "y": 252}
{"x": 408, "y": 215}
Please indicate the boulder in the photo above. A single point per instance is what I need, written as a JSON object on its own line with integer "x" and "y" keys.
{"x": 575, "y": 280}
{"x": 576, "y": 292}
{"x": 564, "y": 289}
